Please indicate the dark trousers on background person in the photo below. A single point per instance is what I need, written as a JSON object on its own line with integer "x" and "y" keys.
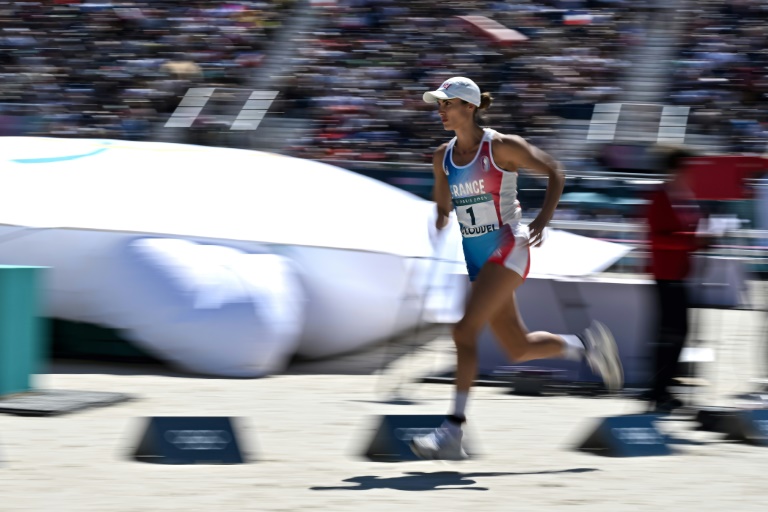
{"x": 673, "y": 304}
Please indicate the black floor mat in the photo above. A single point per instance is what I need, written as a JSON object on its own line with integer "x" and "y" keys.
{"x": 49, "y": 402}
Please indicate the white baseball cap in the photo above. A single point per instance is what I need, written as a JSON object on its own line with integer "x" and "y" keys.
{"x": 456, "y": 87}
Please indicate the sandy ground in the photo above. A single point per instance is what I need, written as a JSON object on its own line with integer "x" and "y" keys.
{"x": 304, "y": 431}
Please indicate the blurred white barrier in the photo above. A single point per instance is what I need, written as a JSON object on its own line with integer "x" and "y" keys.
{"x": 219, "y": 261}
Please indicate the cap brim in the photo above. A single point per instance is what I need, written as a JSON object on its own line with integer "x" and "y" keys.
{"x": 435, "y": 96}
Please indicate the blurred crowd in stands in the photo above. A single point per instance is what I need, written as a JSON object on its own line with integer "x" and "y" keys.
{"x": 722, "y": 73}
{"x": 119, "y": 68}
{"x": 365, "y": 70}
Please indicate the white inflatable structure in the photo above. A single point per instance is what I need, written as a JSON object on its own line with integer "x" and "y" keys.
{"x": 220, "y": 261}
{"x": 229, "y": 262}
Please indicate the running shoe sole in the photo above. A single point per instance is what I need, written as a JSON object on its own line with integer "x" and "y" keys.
{"x": 604, "y": 356}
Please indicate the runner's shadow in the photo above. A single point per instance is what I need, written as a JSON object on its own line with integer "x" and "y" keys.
{"x": 392, "y": 401}
{"x": 437, "y": 481}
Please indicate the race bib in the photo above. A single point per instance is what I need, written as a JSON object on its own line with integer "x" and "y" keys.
{"x": 476, "y": 215}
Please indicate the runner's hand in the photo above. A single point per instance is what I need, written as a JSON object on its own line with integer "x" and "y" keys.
{"x": 437, "y": 231}
{"x": 536, "y": 232}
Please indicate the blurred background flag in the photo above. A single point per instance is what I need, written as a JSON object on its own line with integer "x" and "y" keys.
{"x": 493, "y": 30}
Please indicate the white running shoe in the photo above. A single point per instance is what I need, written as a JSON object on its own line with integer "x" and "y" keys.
{"x": 440, "y": 444}
{"x": 603, "y": 356}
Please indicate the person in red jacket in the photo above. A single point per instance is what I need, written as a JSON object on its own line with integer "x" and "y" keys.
{"x": 673, "y": 216}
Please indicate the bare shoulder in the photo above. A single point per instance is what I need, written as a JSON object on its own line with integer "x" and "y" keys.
{"x": 439, "y": 155}
{"x": 440, "y": 151}
{"x": 508, "y": 142}
{"x": 516, "y": 152}
{"x": 508, "y": 150}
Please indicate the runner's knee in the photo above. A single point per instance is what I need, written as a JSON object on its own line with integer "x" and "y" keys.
{"x": 465, "y": 334}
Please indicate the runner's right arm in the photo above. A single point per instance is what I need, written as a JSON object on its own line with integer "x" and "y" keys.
{"x": 441, "y": 193}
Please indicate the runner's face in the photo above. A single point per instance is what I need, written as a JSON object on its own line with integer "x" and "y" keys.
{"x": 454, "y": 113}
